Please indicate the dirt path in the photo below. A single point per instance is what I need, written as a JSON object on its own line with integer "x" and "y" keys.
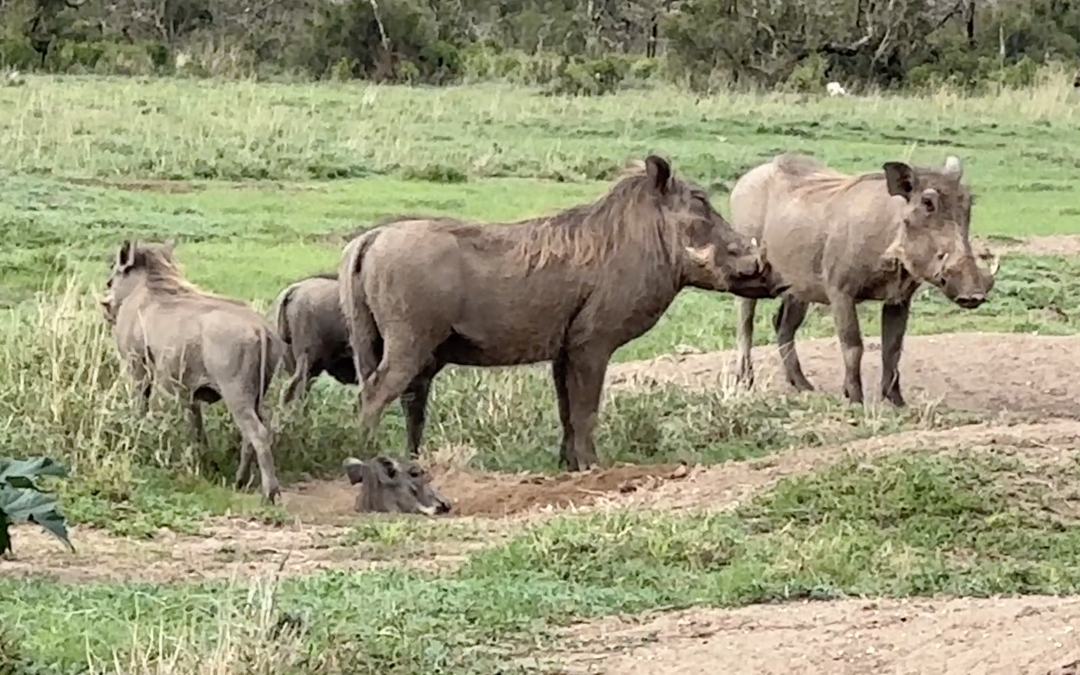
{"x": 966, "y": 371}
{"x": 1013, "y": 636}
{"x": 494, "y": 506}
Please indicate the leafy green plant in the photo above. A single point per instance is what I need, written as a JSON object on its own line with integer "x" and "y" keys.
{"x": 22, "y": 502}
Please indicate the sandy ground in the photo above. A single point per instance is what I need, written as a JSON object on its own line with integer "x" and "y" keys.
{"x": 1011, "y": 636}
{"x": 1031, "y": 375}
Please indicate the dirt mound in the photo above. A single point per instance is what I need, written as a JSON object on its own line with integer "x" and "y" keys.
{"x": 993, "y": 372}
{"x": 498, "y": 496}
{"x": 1029, "y": 635}
{"x": 727, "y": 485}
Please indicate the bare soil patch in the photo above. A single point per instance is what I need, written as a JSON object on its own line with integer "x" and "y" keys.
{"x": 1029, "y": 635}
{"x": 1058, "y": 244}
{"x": 994, "y": 372}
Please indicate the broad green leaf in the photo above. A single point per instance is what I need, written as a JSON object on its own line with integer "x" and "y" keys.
{"x": 21, "y": 505}
{"x": 5, "y": 535}
{"x": 20, "y": 473}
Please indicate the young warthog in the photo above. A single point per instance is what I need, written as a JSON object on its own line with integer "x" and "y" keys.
{"x": 310, "y": 321}
{"x": 206, "y": 347}
{"x": 390, "y": 486}
{"x": 570, "y": 288}
{"x": 839, "y": 240}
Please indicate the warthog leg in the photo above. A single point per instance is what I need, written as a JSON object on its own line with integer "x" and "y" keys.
{"x": 402, "y": 362}
{"x": 745, "y": 339}
{"x": 195, "y": 422}
{"x": 894, "y": 320}
{"x": 245, "y": 410}
{"x": 789, "y": 318}
{"x": 297, "y": 384}
{"x": 558, "y": 374}
{"x": 851, "y": 345}
{"x": 584, "y": 384}
{"x": 414, "y": 405}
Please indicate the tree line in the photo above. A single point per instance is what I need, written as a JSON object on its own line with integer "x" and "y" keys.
{"x": 567, "y": 46}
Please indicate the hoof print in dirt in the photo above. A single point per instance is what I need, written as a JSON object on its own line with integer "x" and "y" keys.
{"x": 390, "y": 486}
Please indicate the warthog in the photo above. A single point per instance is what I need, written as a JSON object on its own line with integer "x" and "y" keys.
{"x": 390, "y": 486}
{"x": 839, "y": 239}
{"x": 310, "y": 321}
{"x": 568, "y": 288}
{"x": 206, "y": 347}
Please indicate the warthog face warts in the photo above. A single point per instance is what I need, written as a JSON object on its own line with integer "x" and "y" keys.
{"x": 390, "y": 486}
{"x": 933, "y": 243}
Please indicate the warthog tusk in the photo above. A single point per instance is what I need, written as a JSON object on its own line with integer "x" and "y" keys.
{"x": 426, "y": 510}
{"x": 995, "y": 264}
{"x": 753, "y": 241}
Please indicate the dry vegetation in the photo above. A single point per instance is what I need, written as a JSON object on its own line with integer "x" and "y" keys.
{"x": 716, "y": 498}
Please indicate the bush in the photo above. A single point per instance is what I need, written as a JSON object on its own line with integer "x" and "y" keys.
{"x": 22, "y": 502}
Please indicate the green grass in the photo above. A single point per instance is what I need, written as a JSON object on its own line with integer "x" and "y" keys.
{"x": 923, "y": 523}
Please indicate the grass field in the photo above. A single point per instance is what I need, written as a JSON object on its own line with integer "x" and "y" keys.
{"x": 260, "y": 183}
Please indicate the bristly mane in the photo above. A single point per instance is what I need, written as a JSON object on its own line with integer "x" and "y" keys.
{"x": 588, "y": 234}
{"x": 810, "y": 177}
{"x": 163, "y": 275}
{"x": 333, "y": 276}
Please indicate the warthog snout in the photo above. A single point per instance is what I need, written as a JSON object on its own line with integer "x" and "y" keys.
{"x": 967, "y": 284}
{"x": 970, "y": 301}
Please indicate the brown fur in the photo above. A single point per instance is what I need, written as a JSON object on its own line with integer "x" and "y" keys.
{"x": 568, "y": 288}
{"x": 310, "y": 322}
{"x": 205, "y": 347}
{"x": 390, "y": 486}
{"x": 841, "y": 239}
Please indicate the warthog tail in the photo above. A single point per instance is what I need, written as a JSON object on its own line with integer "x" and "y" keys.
{"x": 284, "y": 331}
{"x": 354, "y": 307}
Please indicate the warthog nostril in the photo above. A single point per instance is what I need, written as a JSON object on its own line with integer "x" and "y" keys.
{"x": 443, "y": 507}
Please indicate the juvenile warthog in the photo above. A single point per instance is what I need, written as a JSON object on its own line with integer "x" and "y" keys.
{"x": 570, "y": 288}
{"x": 390, "y": 486}
{"x": 205, "y": 347}
{"x": 310, "y": 321}
{"x": 839, "y": 239}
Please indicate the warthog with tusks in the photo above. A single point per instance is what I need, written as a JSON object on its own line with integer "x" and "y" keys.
{"x": 390, "y": 486}
{"x": 570, "y": 288}
{"x": 205, "y": 347}
{"x": 310, "y": 321}
{"x": 840, "y": 239}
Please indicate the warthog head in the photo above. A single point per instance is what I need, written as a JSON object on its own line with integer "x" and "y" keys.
{"x": 390, "y": 486}
{"x": 933, "y": 243}
{"x": 129, "y": 270}
{"x": 718, "y": 258}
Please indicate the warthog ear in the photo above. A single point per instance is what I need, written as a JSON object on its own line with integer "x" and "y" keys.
{"x": 952, "y": 166}
{"x": 388, "y": 468}
{"x": 125, "y": 257}
{"x": 659, "y": 171}
{"x": 169, "y": 246}
{"x": 900, "y": 179}
{"x": 354, "y": 469}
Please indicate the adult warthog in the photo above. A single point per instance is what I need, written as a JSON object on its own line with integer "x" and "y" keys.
{"x": 568, "y": 288}
{"x": 840, "y": 239}
{"x": 310, "y": 321}
{"x": 390, "y": 486}
{"x": 205, "y": 347}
